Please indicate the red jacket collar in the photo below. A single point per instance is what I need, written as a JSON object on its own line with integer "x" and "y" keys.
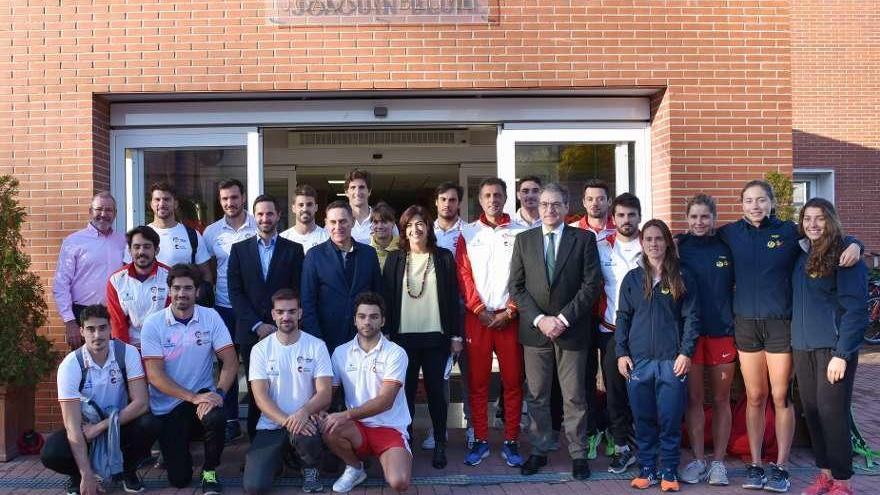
{"x": 584, "y": 224}
{"x": 153, "y": 271}
{"x": 505, "y": 220}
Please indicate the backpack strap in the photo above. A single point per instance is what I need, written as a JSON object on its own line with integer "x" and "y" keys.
{"x": 193, "y": 241}
{"x": 119, "y": 352}
{"x": 82, "y": 368}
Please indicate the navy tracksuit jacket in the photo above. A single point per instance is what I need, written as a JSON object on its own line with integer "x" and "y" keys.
{"x": 710, "y": 262}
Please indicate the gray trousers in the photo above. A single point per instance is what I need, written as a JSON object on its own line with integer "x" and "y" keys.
{"x": 571, "y": 367}
{"x": 264, "y": 456}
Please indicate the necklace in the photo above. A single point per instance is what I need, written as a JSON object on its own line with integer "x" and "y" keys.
{"x": 409, "y": 276}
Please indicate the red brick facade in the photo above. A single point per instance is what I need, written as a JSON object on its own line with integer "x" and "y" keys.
{"x": 721, "y": 69}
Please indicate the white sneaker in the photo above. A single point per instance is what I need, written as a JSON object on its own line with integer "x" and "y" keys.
{"x": 718, "y": 474}
{"x": 469, "y": 437}
{"x": 350, "y": 478}
{"x": 429, "y": 443}
{"x": 694, "y": 472}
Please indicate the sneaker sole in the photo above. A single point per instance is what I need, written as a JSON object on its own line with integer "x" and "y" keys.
{"x": 313, "y": 490}
{"x": 752, "y": 487}
{"x": 131, "y": 490}
{"x": 719, "y": 483}
{"x": 361, "y": 479}
{"x": 777, "y": 490}
{"x": 466, "y": 463}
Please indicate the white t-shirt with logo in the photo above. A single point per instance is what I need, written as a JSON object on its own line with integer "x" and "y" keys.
{"x": 616, "y": 258}
{"x": 174, "y": 246}
{"x": 188, "y": 351}
{"x": 103, "y": 384}
{"x": 308, "y": 241}
{"x": 291, "y": 371}
{"x": 219, "y": 238}
{"x": 362, "y": 374}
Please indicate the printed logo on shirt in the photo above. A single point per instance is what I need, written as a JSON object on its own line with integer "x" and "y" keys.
{"x": 722, "y": 262}
{"x": 202, "y": 337}
{"x": 114, "y": 376}
{"x": 272, "y": 368}
{"x": 158, "y": 293}
{"x": 127, "y": 296}
{"x": 180, "y": 243}
{"x": 665, "y": 291}
{"x": 378, "y": 367}
{"x": 305, "y": 364}
{"x": 351, "y": 368}
{"x": 775, "y": 241}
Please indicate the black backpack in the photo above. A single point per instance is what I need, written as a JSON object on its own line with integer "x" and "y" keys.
{"x": 118, "y": 351}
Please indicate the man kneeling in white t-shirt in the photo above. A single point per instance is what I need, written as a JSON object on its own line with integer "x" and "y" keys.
{"x": 290, "y": 376}
{"x": 371, "y": 370}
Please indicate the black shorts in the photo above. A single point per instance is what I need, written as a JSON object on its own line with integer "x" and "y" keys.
{"x": 763, "y": 335}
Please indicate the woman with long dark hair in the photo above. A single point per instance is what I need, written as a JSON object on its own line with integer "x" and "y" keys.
{"x": 421, "y": 287}
{"x": 657, "y": 329}
{"x": 765, "y": 250}
{"x": 830, "y": 316}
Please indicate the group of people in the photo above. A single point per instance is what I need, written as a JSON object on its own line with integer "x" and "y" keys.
{"x": 335, "y": 324}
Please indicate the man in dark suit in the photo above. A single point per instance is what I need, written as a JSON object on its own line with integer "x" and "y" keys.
{"x": 257, "y": 268}
{"x": 334, "y": 273}
{"x": 555, "y": 279}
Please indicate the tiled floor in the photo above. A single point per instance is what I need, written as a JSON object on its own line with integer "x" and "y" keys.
{"x": 26, "y": 475}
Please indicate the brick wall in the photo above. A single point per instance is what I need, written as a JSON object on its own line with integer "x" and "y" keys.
{"x": 724, "y": 115}
{"x": 836, "y": 108}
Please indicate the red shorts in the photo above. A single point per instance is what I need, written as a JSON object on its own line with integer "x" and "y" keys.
{"x": 378, "y": 439}
{"x": 712, "y": 351}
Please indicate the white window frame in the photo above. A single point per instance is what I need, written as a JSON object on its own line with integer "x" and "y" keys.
{"x": 127, "y": 173}
{"x": 821, "y": 178}
{"x": 509, "y": 135}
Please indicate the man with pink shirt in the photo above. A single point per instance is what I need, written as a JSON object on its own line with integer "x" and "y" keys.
{"x": 87, "y": 259}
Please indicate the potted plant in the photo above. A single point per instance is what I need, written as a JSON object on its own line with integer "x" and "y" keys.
{"x": 25, "y": 357}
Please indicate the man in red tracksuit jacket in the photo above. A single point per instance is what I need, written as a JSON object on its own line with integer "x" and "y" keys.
{"x": 483, "y": 255}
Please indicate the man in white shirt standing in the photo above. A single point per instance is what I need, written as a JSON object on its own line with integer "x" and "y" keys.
{"x": 176, "y": 238}
{"x": 619, "y": 253}
{"x": 357, "y": 190}
{"x": 236, "y": 225}
{"x": 528, "y": 192}
{"x": 305, "y": 231}
{"x": 371, "y": 370}
{"x": 291, "y": 379}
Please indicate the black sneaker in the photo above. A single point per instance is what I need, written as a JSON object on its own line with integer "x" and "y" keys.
{"x": 210, "y": 485}
{"x": 233, "y": 431}
{"x": 131, "y": 483}
{"x": 755, "y": 479}
{"x": 72, "y": 486}
{"x": 621, "y": 460}
{"x": 778, "y": 481}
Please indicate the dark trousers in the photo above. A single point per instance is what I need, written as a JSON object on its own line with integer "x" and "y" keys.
{"x": 658, "y": 400}
{"x": 136, "y": 437}
{"x": 597, "y": 419}
{"x": 266, "y": 452}
{"x": 178, "y": 428}
{"x": 253, "y": 416}
{"x": 230, "y": 402}
{"x": 617, "y": 402}
{"x": 432, "y": 362}
{"x": 826, "y": 409}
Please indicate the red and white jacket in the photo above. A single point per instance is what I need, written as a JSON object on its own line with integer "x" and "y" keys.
{"x": 600, "y": 234}
{"x": 130, "y": 301}
{"x": 483, "y": 256}
{"x": 616, "y": 260}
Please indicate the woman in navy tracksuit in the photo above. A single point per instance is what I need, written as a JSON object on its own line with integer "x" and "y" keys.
{"x": 829, "y": 319}
{"x": 705, "y": 256}
{"x": 657, "y": 328}
{"x": 765, "y": 250}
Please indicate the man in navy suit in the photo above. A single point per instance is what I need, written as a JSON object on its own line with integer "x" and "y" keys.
{"x": 258, "y": 267}
{"x": 334, "y": 273}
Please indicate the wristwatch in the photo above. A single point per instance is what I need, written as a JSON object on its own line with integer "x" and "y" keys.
{"x": 221, "y": 393}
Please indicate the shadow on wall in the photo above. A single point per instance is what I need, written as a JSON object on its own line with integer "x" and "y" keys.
{"x": 856, "y": 180}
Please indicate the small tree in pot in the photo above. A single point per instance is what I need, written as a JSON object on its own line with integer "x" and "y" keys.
{"x": 25, "y": 357}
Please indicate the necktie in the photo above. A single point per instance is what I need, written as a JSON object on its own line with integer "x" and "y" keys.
{"x": 550, "y": 256}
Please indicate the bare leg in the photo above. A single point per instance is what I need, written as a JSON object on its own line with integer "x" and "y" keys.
{"x": 397, "y": 466}
{"x": 695, "y": 418}
{"x": 780, "y": 366}
{"x": 344, "y": 442}
{"x": 721, "y": 378}
{"x": 754, "y": 371}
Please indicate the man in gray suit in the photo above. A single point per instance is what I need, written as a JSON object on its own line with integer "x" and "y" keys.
{"x": 555, "y": 279}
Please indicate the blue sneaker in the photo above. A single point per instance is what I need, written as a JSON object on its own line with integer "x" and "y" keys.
{"x": 755, "y": 478}
{"x": 646, "y": 478}
{"x": 778, "y": 481}
{"x": 478, "y": 452}
{"x": 510, "y": 453}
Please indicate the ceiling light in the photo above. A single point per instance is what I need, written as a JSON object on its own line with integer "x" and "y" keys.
{"x": 335, "y": 182}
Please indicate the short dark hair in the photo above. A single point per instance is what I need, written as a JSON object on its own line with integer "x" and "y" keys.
{"x": 598, "y": 184}
{"x": 628, "y": 200}
{"x": 358, "y": 173}
{"x": 230, "y": 183}
{"x": 266, "y": 198}
{"x": 408, "y": 214}
{"x": 93, "y": 311}
{"x": 370, "y": 299}
{"x": 185, "y": 270}
{"x": 445, "y": 186}
{"x": 145, "y": 232}
{"x": 164, "y": 187}
{"x": 531, "y": 178}
{"x": 339, "y": 204}
{"x": 285, "y": 294}
{"x": 305, "y": 190}
{"x": 382, "y": 212}
{"x": 493, "y": 181}
{"x": 555, "y": 187}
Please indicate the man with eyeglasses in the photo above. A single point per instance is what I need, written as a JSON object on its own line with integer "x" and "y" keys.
{"x": 87, "y": 259}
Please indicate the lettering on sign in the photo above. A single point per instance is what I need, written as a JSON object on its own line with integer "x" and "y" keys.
{"x": 348, "y": 12}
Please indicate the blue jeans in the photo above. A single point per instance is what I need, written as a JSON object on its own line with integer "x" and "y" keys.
{"x": 230, "y": 402}
{"x": 658, "y": 399}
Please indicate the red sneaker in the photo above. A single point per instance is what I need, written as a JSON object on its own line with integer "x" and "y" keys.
{"x": 838, "y": 488}
{"x": 820, "y": 485}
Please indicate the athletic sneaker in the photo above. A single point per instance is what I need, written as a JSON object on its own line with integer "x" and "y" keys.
{"x": 778, "y": 481}
{"x": 621, "y": 460}
{"x": 469, "y": 437}
{"x": 429, "y": 443}
{"x": 478, "y": 452}
{"x": 350, "y": 478}
{"x": 820, "y": 486}
{"x": 131, "y": 483}
{"x": 694, "y": 472}
{"x": 718, "y": 474}
{"x": 646, "y": 478}
{"x": 669, "y": 481}
{"x": 593, "y": 442}
{"x": 72, "y": 486}
{"x": 510, "y": 454}
{"x": 311, "y": 481}
{"x": 839, "y": 488}
{"x": 233, "y": 431}
{"x": 210, "y": 485}
{"x": 755, "y": 478}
